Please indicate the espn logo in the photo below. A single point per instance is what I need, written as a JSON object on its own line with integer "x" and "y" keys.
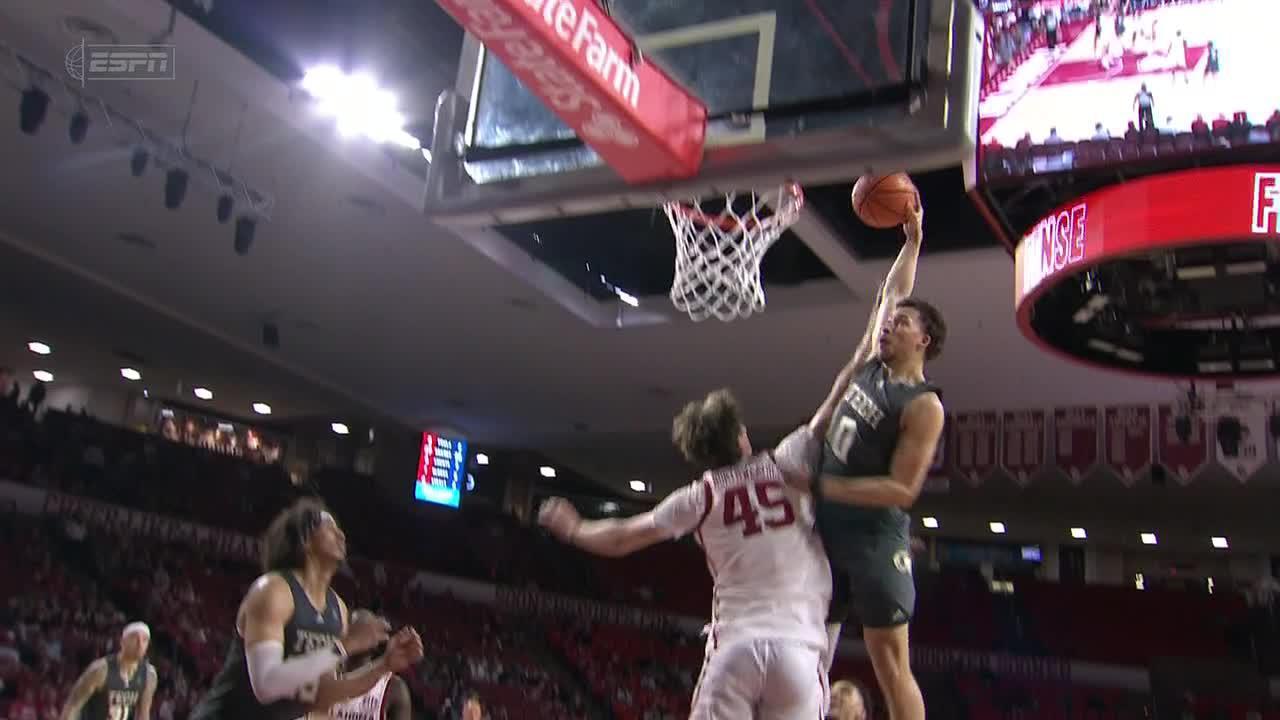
{"x": 1266, "y": 204}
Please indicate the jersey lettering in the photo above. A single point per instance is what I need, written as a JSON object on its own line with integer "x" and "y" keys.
{"x": 739, "y": 508}
{"x": 842, "y": 436}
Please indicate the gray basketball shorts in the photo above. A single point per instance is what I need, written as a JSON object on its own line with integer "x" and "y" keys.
{"x": 871, "y": 579}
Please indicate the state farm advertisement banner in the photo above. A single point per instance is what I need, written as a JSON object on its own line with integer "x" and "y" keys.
{"x": 1128, "y": 441}
{"x": 974, "y": 437}
{"x": 1075, "y": 441}
{"x": 573, "y": 57}
{"x": 1022, "y": 444}
{"x": 1240, "y": 435}
{"x": 1182, "y": 444}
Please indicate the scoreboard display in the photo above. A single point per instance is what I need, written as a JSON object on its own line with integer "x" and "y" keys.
{"x": 442, "y": 470}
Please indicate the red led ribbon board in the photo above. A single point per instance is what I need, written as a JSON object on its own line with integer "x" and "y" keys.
{"x": 579, "y": 63}
{"x": 1154, "y": 213}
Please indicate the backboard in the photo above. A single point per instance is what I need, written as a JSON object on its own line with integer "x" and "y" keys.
{"x": 817, "y": 91}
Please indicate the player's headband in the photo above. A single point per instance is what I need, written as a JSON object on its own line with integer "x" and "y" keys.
{"x": 135, "y": 627}
{"x": 311, "y": 520}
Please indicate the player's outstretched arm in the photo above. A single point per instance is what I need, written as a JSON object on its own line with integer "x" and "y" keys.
{"x": 922, "y": 422}
{"x": 898, "y": 284}
{"x": 678, "y": 514}
{"x": 609, "y": 537}
{"x": 86, "y": 685}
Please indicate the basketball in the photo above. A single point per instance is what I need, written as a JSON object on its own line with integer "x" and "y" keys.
{"x": 884, "y": 201}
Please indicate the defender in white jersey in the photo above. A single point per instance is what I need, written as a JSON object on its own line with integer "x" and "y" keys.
{"x": 767, "y": 641}
{"x": 389, "y": 699}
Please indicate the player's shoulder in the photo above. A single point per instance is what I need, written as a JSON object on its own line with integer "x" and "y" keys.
{"x": 270, "y": 591}
{"x": 152, "y": 675}
{"x": 925, "y": 406}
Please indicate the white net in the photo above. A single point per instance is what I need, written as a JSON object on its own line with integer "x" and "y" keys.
{"x": 718, "y": 252}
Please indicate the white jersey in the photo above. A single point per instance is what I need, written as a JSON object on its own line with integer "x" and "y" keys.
{"x": 369, "y": 706}
{"x": 770, "y": 572}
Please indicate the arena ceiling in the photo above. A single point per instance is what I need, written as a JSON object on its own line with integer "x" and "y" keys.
{"x": 380, "y": 312}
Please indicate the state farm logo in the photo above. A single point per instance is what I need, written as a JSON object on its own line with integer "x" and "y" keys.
{"x": 1266, "y": 204}
{"x": 1054, "y": 244}
{"x": 606, "y": 127}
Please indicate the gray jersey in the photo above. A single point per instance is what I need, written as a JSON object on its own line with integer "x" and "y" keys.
{"x": 860, "y": 442}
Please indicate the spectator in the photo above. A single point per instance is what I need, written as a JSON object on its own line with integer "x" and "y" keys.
{"x": 1054, "y": 138}
{"x": 1101, "y": 133}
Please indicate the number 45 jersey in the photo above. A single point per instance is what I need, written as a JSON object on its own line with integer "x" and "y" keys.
{"x": 770, "y": 573}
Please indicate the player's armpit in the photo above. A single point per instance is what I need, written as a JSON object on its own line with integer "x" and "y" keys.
{"x": 85, "y": 686}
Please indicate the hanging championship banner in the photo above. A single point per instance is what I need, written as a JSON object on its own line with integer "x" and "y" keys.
{"x": 1075, "y": 441}
{"x": 1182, "y": 445}
{"x": 973, "y": 439}
{"x": 1128, "y": 441}
{"x": 1240, "y": 435}
{"x": 1022, "y": 444}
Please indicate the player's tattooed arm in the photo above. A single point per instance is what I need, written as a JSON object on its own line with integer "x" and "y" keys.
{"x": 148, "y": 693}
{"x": 86, "y": 685}
{"x": 921, "y": 427}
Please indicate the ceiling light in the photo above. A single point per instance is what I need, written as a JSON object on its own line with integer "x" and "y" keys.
{"x": 547, "y": 471}
{"x": 997, "y": 528}
{"x": 262, "y": 408}
{"x": 203, "y": 393}
{"x": 130, "y": 374}
{"x": 39, "y": 348}
{"x": 1079, "y": 533}
{"x": 639, "y": 486}
{"x": 627, "y": 297}
{"x": 1149, "y": 538}
{"x": 1220, "y": 542}
{"x": 43, "y": 376}
{"x": 482, "y": 459}
{"x": 340, "y": 429}
{"x": 930, "y": 522}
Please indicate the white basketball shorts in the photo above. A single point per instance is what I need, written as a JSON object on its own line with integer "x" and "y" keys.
{"x": 761, "y": 680}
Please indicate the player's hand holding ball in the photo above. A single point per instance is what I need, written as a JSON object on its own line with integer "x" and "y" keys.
{"x": 560, "y": 518}
{"x": 885, "y": 201}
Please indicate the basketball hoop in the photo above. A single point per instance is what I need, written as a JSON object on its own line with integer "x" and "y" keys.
{"x": 718, "y": 252}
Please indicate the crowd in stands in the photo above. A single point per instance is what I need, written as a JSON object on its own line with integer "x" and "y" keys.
{"x": 69, "y": 586}
{"x": 1165, "y": 141}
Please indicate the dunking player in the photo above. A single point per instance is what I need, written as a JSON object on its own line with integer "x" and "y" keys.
{"x": 292, "y": 630}
{"x": 767, "y": 643}
{"x": 388, "y": 700}
{"x": 878, "y": 451}
{"x": 116, "y": 687}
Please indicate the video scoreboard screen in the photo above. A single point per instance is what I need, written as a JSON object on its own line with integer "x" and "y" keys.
{"x": 442, "y": 470}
